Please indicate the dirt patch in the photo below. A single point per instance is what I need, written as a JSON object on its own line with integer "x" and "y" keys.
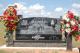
{"x": 35, "y": 51}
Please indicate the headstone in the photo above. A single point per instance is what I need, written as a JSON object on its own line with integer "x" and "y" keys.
{"x": 38, "y": 28}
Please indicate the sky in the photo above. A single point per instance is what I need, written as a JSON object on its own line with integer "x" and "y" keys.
{"x": 42, "y": 8}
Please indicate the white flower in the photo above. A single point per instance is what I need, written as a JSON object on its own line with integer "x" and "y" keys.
{"x": 68, "y": 30}
{"x": 72, "y": 22}
{"x": 67, "y": 25}
{"x": 66, "y": 18}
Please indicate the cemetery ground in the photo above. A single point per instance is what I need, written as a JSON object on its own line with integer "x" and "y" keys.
{"x": 26, "y": 50}
{"x": 32, "y": 50}
{"x": 2, "y": 33}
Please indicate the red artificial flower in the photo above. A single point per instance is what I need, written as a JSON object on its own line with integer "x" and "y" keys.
{"x": 10, "y": 18}
{"x": 74, "y": 28}
{"x": 70, "y": 15}
{"x": 11, "y": 25}
{"x": 12, "y": 28}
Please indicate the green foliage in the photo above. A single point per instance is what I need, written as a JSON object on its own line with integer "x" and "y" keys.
{"x": 76, "y": 17}
{"x": 75, "y": 33}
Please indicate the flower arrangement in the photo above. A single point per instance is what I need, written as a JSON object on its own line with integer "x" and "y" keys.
{"x": 70, "y": 23}
{"x": 10, "y": 18}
